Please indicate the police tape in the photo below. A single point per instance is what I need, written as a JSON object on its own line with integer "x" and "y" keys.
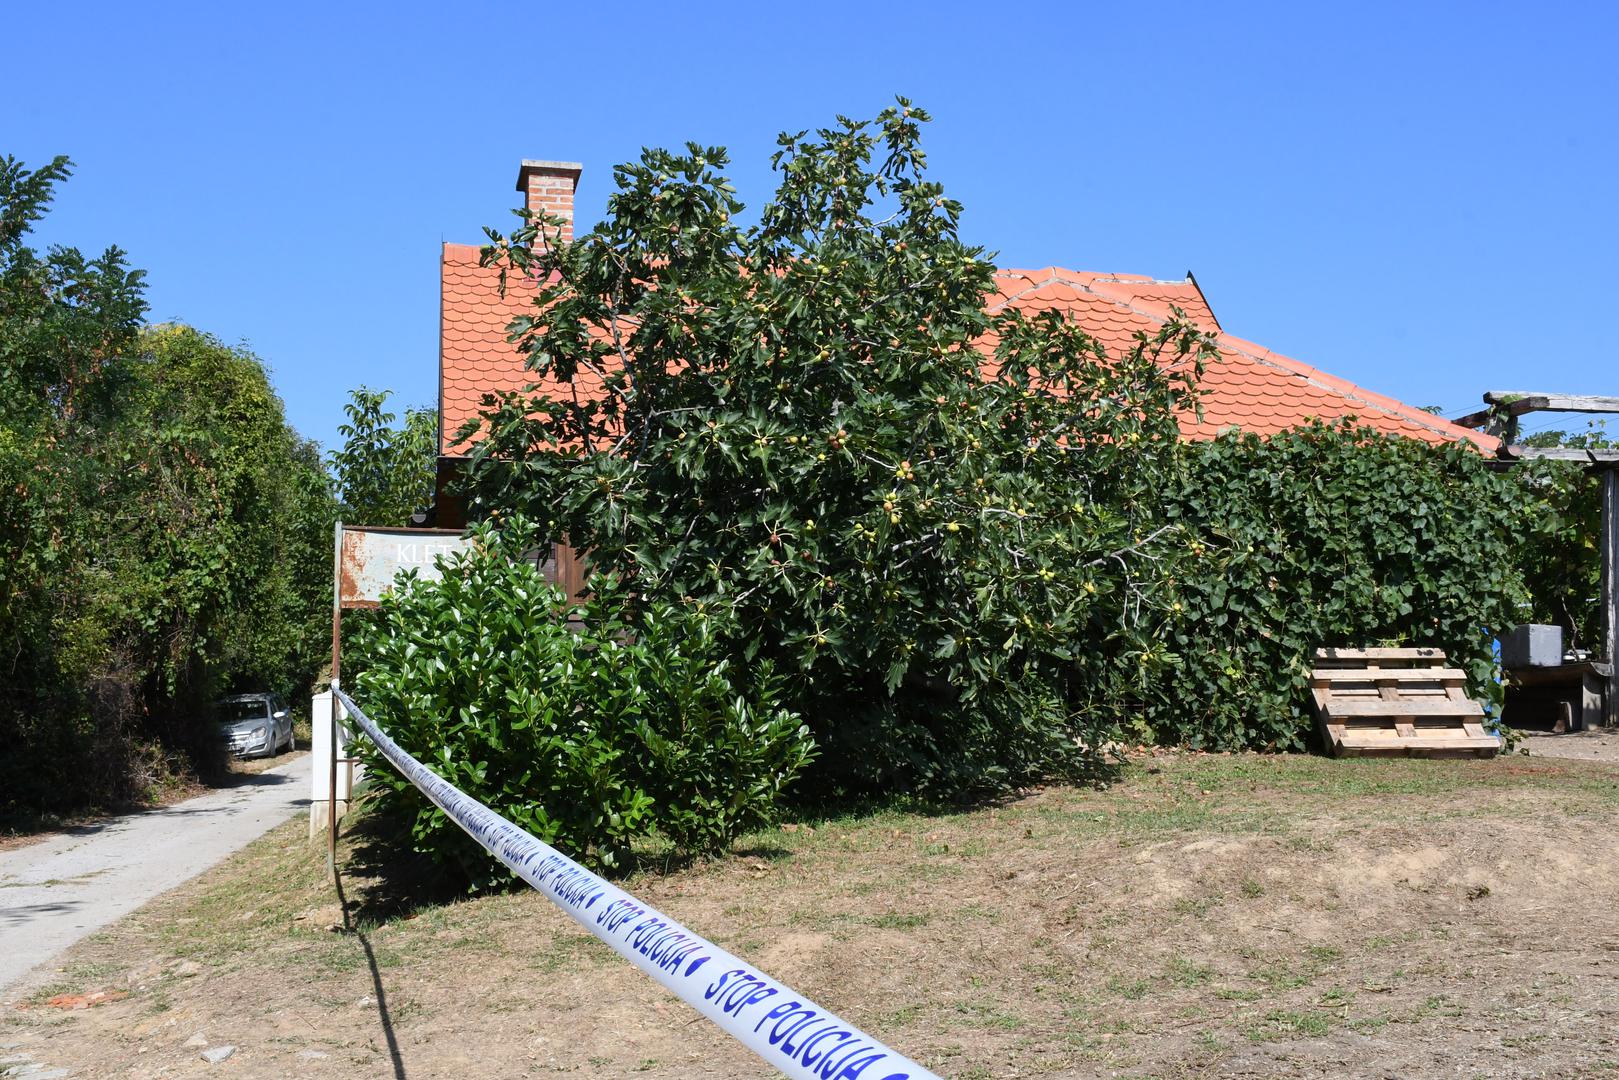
{"x": 786, "y": 1029}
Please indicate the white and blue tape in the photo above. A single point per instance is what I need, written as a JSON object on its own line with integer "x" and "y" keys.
{"x": 789, "y": 1031}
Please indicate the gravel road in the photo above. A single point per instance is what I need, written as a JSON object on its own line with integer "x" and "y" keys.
{"x": 59, "y": 890}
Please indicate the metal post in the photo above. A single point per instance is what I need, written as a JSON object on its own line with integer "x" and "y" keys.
{"x": 1609, "y": 546}
{"x": 331, "y": 746}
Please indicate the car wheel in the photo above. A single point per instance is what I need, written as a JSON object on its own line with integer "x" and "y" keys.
{"x": 292, "y": 741}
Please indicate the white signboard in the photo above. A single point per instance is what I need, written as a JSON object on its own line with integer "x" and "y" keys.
{"x": 368, "y": 559}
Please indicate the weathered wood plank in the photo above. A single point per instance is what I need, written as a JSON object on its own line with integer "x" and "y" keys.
{"x": 1380, "y": 654}
{"x": 1325, "y": 676}
{"x": 1370, "y": 733}
{"x": 1388, "y": 734}
{"x": 1345, "y": 708}
{"x": 1516, "y": 452}
{"x": 1518, "y": 402}
{"x": 1374, "y": 738}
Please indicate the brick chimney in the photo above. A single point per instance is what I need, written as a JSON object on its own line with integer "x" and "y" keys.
{"x": 548, "y": 186}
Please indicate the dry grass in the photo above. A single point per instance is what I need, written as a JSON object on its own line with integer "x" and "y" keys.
{"x": 1205, "y": 915}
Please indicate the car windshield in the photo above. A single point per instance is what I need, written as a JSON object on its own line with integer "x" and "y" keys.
{"x": 232, "y": 712}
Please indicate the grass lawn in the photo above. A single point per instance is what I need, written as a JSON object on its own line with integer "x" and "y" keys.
{"x": 1203, "y": 915}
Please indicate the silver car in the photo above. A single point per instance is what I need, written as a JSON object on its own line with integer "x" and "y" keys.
{"x": 254, "y": 725}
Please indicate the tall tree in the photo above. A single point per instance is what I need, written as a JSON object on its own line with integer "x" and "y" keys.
{"x": 384, "y": 473}
{"x": 161, "y": 526}
{"x": 63, "y": 316}
{"x": 812, "y": 426}
{"x": 65, "y": 322}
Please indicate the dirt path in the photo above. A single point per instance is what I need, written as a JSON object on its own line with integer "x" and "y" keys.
{"x": 1598, "y": 744}
{"x": 57, "y": 891}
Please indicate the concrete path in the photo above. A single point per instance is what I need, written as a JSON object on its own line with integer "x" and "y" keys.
{"x": 59, "y": 890}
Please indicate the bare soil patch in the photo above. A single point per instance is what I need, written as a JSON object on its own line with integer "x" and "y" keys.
{"x": 1598, "y": 744}
{"x": 1206, "y": 915}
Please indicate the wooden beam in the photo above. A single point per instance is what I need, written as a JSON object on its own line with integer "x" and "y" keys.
{"x": 1328, "y": 676}
{"x": 1419, "y": 653}
{"x": 1518, "y": 402}
{"x": 1475, "y": 419}
{"x": 1561, "y": 453}
{"x": 1340, "y": 708}
{"x": 1608, "y": 543}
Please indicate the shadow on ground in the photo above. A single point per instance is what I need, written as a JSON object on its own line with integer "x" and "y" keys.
{"x": 386, "y": 879}
{"x": 380, "y": 880}
{"x": 379, "y": 992}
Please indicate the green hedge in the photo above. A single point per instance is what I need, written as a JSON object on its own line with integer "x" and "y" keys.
{"x": 1323, "y": 536}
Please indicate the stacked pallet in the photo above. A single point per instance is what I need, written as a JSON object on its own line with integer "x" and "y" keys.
{"x": 1396, "y": 703}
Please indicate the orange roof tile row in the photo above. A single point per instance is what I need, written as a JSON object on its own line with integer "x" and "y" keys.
{"x": 475, "y": 358}
{"x": 1250, "y": 388}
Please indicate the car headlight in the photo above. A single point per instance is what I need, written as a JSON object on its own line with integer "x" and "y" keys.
{"x": 258, "y": 733}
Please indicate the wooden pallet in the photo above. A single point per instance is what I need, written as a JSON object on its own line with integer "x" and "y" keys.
{"x": 1396, "y": 703}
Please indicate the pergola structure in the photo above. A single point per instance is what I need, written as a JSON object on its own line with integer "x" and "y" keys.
{"x": 1500, "y": 418}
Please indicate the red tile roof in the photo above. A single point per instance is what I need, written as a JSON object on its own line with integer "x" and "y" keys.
{"x": 1250, "y": 387}
{"x": 474, "y": 356}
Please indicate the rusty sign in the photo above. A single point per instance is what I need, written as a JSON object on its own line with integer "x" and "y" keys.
{"x": 368, "y": 559}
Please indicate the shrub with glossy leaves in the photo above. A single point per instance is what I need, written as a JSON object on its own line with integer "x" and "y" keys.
{"x": 590, "y": 734}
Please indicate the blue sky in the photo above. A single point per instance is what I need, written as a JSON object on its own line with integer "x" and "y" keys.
{"x": 1418, "y": 197}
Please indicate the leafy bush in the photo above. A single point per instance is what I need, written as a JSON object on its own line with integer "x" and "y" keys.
{"x": 790, "y": 432}
{"x": 1324, "y": 536}
{"x": 166, "y": 534}
{"x": 590, "y": 734}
